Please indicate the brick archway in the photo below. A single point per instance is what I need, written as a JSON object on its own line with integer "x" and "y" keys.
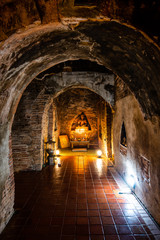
{"x": 122, "y": 49}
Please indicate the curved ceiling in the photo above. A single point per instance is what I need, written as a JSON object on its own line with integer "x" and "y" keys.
{"x": 120, "y": 48}
{"x": 16, "y": 14}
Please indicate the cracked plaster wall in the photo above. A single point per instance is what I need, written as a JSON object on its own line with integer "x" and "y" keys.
{"x": 142, "y": 153}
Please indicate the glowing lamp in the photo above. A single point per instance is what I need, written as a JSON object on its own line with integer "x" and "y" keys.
{"x": 99, "y": 153}
{"x": 57, "y": 152}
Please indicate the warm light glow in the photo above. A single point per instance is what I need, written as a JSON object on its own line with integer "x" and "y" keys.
{"x": 57, "y": 152}
{"x": 59, "y": 162}
{"x": 80, "y": 130}
{"x": 99, "y": 153}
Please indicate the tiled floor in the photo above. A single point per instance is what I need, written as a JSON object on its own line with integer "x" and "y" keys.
{"x": 79, "y": 200}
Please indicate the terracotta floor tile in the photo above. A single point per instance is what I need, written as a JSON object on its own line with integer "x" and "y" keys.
{"x": 69, "y": 220}
{"x": 96, "y": 229}
{"x": 120, "y": 221}
{"x": 56, "y": 230}
{"x": 93, "y": 213}
{"x": 106, "y": 213}
{"x": 66, "y": 237}
{"x": 122, "y": 200}
{"x": 127, "y": 206}
{"x": 141, "y": 237}
{"x": 141, "y": 219}
{"x": 76, "y": 202}
{"x": 81, "y": 237}
{"x": 112, "y": 200}
{"x": 91, "y": 195}
{"x": 123, "y": 230}
{"x": 97, "y": 237}
{"x": 102, "y": 200}
{"x": 82, "y": 230}
{"x": 109, "y": 230}
{"x": 100, "y": 190}
{"x": 133, "y": 221}
{"x": 117, "y": 213}
{"x": 110, "y": 195}
{"x": 45, "y": 221}
{"x": 108, "y": 191}
{"x": 126, "y": 237}
{"x": 100, "y": 195}
{"x": 43, "y": 230}
{"x": 92, "y": 200}
{"x": 137, "y": 229}
{"x": 129, "y": 213}
{"x": 107, "y": 187}
{"x": 82, "y": 220}
{"x": 59, "y": 213}
{"x": 82, "y": 213}
{"x": 103, "y": 206}
{"x": 82, "y": 206}
{"x": 107, "y": 220}
{"x": 95, "y": 220}
{"x": 81, "y": 200}
{"x": 70, "y": 206}
{"x": 111, "y": 237}
{"x": 70, "y": 213}
{"x": 114, "y": 206}
{"x": 152, "y": 237}
{"x": 27, "y": 230}
{"x": 68, "y": 230}
{"x": 57, "y": 221}
{"x": 93, "y": 206}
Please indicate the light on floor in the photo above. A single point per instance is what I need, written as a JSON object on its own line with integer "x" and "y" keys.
{"x": 99, "y": 163}
{"x": 131, "y": 181}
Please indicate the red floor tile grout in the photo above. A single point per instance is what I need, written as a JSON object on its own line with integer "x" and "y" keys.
{"x": 84, "y": 189}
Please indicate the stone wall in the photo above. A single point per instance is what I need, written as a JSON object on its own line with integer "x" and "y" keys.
{"x": 27, "y": 137}
{"x": 140, "y": 159}
{"x": 7, "y": 198}
{"x": 100, "y": 83}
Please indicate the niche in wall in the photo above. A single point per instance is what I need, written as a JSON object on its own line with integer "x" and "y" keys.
{"x": 123, "y": 136}
{"x": 77, "y": 114}
{"x": 80, "y": 128}
{"x": 80, "y": 121}
{"x": 123, "y": 141}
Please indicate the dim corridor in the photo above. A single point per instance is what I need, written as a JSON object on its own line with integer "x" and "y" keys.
{"x": 78, "y": 201}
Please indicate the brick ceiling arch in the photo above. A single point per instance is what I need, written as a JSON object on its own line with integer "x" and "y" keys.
{"x": 120, "y": 48}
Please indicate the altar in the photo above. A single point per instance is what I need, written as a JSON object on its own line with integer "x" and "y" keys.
{"x": 80, "y": 132}
{"x": 79, "y": 143}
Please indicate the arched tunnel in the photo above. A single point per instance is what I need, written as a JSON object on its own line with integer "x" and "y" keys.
{"x": 84, "y": 77}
